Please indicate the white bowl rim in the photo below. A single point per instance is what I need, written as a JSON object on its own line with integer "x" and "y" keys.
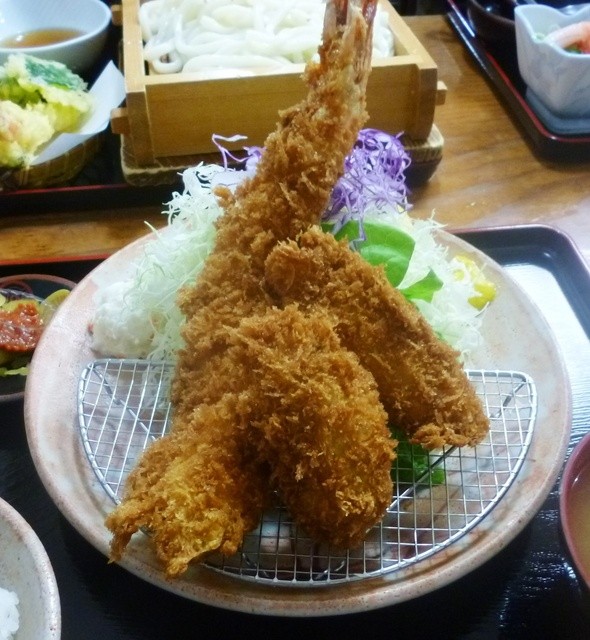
{"x": 101, "y": 26}
{"x": 49, "y": 590}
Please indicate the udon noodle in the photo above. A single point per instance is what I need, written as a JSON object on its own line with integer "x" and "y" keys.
{"x": 238, "y": 36}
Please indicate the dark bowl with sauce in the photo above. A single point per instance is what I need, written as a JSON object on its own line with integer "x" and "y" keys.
{"x": 26, "y": 287}
{"x": 574, "y": 508}
{"x": 72, "y": 32}
{"x": 493, "y": 20}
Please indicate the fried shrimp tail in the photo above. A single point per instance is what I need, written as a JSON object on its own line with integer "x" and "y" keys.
{"x": 195, "y": 492}
{"x": 421, "y": 383}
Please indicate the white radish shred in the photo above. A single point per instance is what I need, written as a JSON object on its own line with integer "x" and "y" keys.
{"x": 139, "y": 317}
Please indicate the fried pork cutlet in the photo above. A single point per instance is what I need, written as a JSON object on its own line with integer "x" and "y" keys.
{"x": 422, "y": 385}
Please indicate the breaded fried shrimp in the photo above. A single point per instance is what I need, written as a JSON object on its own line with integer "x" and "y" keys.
{"x": 198, "y": 489}
{"x": 303, "y": 159}
{"x": 195, "y": 491}
{"x": 421, "y": 383}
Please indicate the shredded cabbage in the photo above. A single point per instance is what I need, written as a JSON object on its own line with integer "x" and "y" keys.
{"x": 374, "y": 178}
{"x": 139, "y": 317}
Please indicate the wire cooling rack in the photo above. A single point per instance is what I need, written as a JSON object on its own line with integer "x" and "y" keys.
{"x": 123, "y": 406}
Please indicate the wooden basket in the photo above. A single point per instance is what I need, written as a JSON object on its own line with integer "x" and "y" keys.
{"x": 176, "y": 114}
{"x": 54, "y": 172}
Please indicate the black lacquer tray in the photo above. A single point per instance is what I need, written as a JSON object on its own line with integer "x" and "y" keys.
{"x": 498, "y": 63}
{"x": 528, "y": 590}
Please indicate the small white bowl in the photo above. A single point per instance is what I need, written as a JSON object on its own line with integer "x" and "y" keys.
{"x": 89, "y": 17}
{"x": 26, "y": 570}
{"x": 559, "y": 79}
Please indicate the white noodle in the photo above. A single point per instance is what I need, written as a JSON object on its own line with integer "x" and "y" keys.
{"x": 232, "y": 35}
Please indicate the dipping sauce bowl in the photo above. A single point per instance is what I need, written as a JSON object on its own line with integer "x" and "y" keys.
{"x": 574, "y": 507}
{"x": 72, "y": 32}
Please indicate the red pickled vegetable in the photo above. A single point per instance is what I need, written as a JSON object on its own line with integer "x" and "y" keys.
{"x": 20, "y": 327}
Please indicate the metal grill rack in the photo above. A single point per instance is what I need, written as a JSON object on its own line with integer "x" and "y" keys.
{"x": 123, "y": 406}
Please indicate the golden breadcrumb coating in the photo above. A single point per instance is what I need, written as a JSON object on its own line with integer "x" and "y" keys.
{"x": 291, "y": 410}
{"x": 421, "y": 382}
{"x": 195, "y": 491}
{"x": 318, "y": 424}
{"x": 284, "y": 399}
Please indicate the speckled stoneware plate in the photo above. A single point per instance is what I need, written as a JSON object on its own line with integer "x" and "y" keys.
{"x": 25, "y": 569}
{"x": 516, "y": 337}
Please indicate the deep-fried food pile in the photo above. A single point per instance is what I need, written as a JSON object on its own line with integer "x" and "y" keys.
{"x": 421, "y": 382}
{"x": 281, "y": 386}
{"x": 295, "y": 411}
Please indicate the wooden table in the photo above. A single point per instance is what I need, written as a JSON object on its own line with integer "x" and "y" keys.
{"x": 488, "y": 176}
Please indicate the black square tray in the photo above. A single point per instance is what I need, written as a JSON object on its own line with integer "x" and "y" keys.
{"x": 528, "y": 590}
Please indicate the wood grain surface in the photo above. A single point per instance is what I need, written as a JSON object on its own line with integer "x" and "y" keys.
{"x": 489, "y": 175}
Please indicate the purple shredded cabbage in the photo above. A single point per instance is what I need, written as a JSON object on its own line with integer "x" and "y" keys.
{"x": 374, "y": 175}
{"x": 226, "y": 154}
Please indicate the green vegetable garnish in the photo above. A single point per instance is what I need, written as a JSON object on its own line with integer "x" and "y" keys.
{"x": 424, "y": 289}
{"x": 413, "y": 463}
{"x": 16, "y": 366}
{"x": 52, "y": 73}
{"x": 383, "y": 244}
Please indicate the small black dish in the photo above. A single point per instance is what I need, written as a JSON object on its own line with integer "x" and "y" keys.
{"x": 38, "y": 286}
{"x": 493, "y": 20}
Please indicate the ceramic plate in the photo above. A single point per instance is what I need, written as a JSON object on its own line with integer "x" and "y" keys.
{"x": 26, "y": 570}
{"x": 516, "y": 337}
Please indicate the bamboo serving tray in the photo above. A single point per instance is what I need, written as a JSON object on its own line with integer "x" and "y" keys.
{"x": 425, "y": 156}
